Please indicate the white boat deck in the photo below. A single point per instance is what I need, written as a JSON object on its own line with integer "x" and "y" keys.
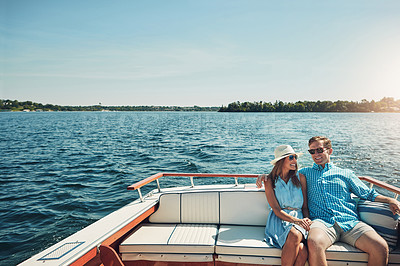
{"x": 75, "y": 246}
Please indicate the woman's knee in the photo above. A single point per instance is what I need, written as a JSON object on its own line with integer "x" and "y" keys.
{"x": 294, "y": 236}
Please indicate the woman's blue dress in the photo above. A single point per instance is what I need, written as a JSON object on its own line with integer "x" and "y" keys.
{"x": 290, "y": 199}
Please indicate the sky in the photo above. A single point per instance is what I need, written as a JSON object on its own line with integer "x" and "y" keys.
{"x": 203, "y": 52}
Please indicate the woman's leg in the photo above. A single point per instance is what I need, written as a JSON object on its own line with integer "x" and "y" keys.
{"x": 291, "y": 249}
{"x": 302, "y": 256}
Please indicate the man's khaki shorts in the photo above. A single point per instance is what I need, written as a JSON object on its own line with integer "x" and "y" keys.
{"x": 335, "y": 233}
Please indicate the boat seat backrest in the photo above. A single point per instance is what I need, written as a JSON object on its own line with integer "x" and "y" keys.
{"x": 226, "y": 207}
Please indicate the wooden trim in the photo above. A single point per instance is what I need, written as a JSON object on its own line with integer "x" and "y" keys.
{"x": 167, "y": 263}
{"x": 109, "y": 256}
{"x": 211, "y": 175}
{"x": 85, "y": 258}
{"x": 159, "y": 175}
{"x": 380, "y": 184}
{"x": 145, "y": 181}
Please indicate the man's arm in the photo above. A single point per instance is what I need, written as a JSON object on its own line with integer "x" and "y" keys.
{"x": 260, "y": 180}
{"x": 394, "y": 205}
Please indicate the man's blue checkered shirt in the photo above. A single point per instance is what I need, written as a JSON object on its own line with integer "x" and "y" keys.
{"x": 329, "y": 195}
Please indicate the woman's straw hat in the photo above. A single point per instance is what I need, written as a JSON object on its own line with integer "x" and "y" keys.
{"x": 283, "y": 151}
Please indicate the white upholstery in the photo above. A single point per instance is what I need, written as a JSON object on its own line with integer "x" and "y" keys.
{"x": 229, "y": 207}
{"x": 170, "y": 238}
{"x": 200, "y": 207}
{"x": 344, "y": 252}
{"x": 244, "y": 208}
{"x": 169, "y": 210}
{"x": 394, "y": 257}
{"x": 244, "y": 244}
{"x": 335, "y": 253}
{"x": 195, "y": 234}
{"x": 244, "y": 240}
{"x": 148, "y": 238}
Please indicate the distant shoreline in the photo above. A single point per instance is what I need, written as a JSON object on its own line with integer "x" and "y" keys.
{"x": 387, "y": 104}
{"x": 29, "y": 106}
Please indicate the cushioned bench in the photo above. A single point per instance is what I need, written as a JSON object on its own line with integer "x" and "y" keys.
{"x": 200, "y": 214}
{"x": 210, "y": 226}
{"x": 171, "y": 242}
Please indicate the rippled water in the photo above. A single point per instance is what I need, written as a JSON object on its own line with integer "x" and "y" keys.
{"x": 62, "y": 171}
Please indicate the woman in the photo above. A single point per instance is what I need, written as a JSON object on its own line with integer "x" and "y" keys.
{"x": 286, "y": 192}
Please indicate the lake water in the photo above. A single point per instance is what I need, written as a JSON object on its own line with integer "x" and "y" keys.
{"x": 62, "y": 171}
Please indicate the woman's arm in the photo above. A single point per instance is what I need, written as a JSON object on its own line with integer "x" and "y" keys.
{"x": 276, "y": 208}
{"x": 303, "y": 183}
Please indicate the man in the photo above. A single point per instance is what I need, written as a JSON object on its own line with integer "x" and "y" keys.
{"x": 334, "y": 213}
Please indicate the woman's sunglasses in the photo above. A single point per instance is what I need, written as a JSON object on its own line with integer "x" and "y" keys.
{"x": 291, "y": 157}
{"x": 318, "y": 150}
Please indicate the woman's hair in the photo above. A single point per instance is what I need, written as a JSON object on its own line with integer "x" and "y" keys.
{"x": 277, "y": 171}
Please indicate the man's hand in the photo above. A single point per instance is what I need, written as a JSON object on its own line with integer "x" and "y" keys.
{"x": 394, "y": 206}
{"x": 260, "y": 180}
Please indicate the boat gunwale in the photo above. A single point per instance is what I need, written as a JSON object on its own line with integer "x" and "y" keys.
{"x": 138, "y": 185}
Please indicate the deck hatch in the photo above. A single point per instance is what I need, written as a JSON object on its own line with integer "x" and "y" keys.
{"x": 61, "y": 251}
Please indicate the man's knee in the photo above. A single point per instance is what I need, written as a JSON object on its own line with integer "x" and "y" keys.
{"x": 372, "y": 243}
{"x": 318, "y": 241}
{"x": 384, "y": 249}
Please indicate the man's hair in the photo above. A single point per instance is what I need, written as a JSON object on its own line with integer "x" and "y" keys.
{"x": 326, "y": 142}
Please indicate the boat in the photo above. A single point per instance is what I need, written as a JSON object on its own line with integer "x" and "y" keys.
{"x": 211, "y": 224}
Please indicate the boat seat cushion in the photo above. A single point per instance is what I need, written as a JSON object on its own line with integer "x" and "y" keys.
{"x": 381, "y": 218}
{"x": 342, "y": 253}
{"x": 226, "y": 207}
{"x": 243, "y": 208}
{"x": 171, "y": 238}
{"x": 193, "y": 207}
{"x": 245, "y": 244}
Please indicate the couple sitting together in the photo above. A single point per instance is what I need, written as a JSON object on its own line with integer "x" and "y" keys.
{"x": 315, "y": 203}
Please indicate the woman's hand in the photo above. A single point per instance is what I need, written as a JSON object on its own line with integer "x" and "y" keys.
{"x": 260, "y": 179}
{"x": 305, "y": 223}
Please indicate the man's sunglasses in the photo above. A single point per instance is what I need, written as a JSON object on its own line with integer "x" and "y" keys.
{"x": 318, "y": 150}
{"x": 291, "y": 157}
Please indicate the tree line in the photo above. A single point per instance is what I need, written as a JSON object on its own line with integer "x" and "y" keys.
{"x": 387, "y": 104}
{"x": 14, "y": 105}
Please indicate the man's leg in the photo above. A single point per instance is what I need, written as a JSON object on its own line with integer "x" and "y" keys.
{"x": 319, "y": 239}
{"x": 317, "y": 242}
{"x": 290, "y": 250}
{"x": 364, "y": 237}
{"x": 375, "y": 246}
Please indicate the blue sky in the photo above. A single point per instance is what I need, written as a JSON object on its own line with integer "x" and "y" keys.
{"x": 206, "y": 53}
